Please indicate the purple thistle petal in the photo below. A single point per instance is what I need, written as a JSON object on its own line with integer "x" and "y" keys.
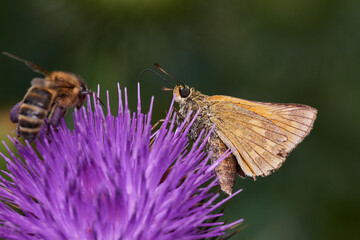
{"x": 105, "y": 180}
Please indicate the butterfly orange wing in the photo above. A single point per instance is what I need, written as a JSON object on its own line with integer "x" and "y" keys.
{"x": 262, "y": 133}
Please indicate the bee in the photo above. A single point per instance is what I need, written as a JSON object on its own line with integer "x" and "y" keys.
{"x": 50, "y": 97}
{"x": 260, "y": 134}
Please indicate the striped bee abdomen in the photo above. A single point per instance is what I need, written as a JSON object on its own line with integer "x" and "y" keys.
{"x": 33, "y": 111}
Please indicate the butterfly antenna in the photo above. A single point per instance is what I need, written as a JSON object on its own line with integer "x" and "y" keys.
{"x": 31, "y": 65}
{"x": 160, "y": 68}
{"x": 150, "y": 70}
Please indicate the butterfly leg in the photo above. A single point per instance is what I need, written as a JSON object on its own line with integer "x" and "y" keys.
{"x": 178, "y": 114}
{"x": 180, "y": 118}
{"x": 157, "y": 123}
{"x": 226, "y": 170}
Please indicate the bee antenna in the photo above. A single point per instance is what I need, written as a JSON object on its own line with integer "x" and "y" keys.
{"x": 160, "y": 68}
{"x": 150, "y": 70}
{"x": 91, "y": 92}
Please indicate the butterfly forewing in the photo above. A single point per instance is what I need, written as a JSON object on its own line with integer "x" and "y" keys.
{"x": 262, "y": 133}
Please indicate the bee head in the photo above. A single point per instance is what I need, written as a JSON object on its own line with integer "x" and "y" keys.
{"x": 182, "y": 93}
{"x": 82, "y": 95}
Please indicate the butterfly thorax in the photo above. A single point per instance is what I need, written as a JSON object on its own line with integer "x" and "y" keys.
{"x": 195, "y": 101}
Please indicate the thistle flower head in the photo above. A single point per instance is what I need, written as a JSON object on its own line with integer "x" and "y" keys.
{"x": 106, "y": 179}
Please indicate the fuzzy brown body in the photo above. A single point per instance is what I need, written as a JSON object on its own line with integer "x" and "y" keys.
{"x": 47, "y": 97}
{"x": 58, "y": 90}
{"x": 261, "y": 135}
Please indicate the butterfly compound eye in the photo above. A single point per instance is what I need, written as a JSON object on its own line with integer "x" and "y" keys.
{"x": 184, "y": 92}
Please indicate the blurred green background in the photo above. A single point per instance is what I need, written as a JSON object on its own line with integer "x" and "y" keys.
{"x": 303, "y": 51}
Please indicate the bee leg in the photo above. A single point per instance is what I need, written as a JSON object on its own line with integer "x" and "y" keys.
{"x": 18, "y": 135}
{"x": 14, "y": 113}
{"x": 56, "y": 115}
{"x": 48, "y": 122}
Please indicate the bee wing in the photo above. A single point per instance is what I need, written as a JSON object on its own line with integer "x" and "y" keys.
{"x": 31, "y": 65}
{"x": 46, "y": 83}
{"x": 263, "y": 133}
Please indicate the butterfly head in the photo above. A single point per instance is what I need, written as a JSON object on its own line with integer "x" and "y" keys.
{"x": 182, "y": 93}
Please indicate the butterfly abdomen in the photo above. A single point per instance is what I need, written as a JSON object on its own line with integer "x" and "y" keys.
{"x": 226, "y": 170}
{"x": 33, "y": 111}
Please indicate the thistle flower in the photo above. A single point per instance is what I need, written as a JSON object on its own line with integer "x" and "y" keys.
{"x": 106, "y": 180}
